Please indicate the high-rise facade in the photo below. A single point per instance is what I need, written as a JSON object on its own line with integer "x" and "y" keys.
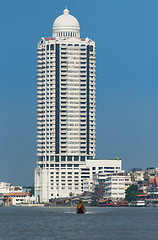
{"x": 66, "y": 161}
{"x": 65, "y": 109}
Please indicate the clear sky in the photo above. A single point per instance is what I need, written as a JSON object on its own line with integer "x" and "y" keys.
{"x": 126, "y": 36}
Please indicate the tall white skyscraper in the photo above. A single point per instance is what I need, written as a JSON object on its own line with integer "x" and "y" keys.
{"x": 65, "y": 109}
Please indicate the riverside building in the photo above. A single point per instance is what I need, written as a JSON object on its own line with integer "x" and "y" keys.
{"x": 65, "y": 110}
{"x": 114, "y": 187}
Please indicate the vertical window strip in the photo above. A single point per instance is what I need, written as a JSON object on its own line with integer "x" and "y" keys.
{"x": 57, "y": 103}
{"x": 88, "y": 99}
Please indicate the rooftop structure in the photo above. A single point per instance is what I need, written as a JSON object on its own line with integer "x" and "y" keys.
{"x": 66, "y": 26}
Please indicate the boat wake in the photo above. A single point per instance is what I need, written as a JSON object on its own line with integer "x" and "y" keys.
{"x": 85, "y": 212}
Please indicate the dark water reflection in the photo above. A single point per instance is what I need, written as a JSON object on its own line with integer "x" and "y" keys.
{"x": 21, "y": 223}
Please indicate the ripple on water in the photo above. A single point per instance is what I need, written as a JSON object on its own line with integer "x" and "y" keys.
{"x": 20, "y": 223}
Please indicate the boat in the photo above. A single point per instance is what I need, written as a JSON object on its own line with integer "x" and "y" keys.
{"x": 109, "y": 203}
{"x": 122, "y": 203}
{"x": 106, "y": 203}
{"x": 138, "y": 203}
{"x": 80, "y": 207}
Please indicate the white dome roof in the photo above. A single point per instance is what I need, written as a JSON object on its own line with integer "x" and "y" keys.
{"x": 66, "y": 23}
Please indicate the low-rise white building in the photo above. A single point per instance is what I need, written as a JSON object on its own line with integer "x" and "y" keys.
{"x": 128, "y": 181}
{"x": 73, "y": 178}
{"x": 7, "y": 188}
{"x": 15, "y": 198}
{"x": 98, "y": 170}
{"x": 137, "y": 176}
{"x": 4, "y": 187}
{"x": 114, "y": 187}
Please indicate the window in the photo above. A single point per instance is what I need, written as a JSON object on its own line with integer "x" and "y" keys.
{"x": 52, "y": 47}
{"x": 69, "y": 158}
{"x": 82, "y": 158}
{"x": 76, "y": 165}
{"x": 51, "y": 158}
{"x": 57, "y": 158}
{"x": 63, "y": 158}
{"x": 40, "y": 158}
{"x": 91, "y": 48}
{"x": 69, "y": 165}
{"x": 47, "y": 47}
{"x": 76, "y": 158}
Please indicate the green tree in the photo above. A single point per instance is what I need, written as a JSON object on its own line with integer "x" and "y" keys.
{"x": 132, "y": 192}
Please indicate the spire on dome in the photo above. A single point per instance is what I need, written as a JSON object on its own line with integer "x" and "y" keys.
{"x": 66, "y": 11}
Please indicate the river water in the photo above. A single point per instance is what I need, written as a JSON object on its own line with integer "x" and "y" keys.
{"x": 43, "y": 223}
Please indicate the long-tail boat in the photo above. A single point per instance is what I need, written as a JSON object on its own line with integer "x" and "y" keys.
{"x": 80, "y": 207}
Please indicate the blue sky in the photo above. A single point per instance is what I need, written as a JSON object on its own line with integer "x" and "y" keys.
{"x": 126, "y": 39}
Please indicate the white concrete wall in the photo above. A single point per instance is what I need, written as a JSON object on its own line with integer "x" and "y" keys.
{"x": 54, "y": 183}
{"x": 114, "y": 187}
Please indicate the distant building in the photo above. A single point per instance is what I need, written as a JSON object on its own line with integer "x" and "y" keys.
{"x": 4, "y": 187}
{"x": 8, "y": 187}
{"x": 27, "y": 188}
{"x": 7, "y": 190}
{"x": 128, "y": 181}
{"x": 136, "y": 169}
{"x": 152, "y": 197}
{"x": 150, "y": 173}
{"x": 98, "y": 172}
{"x": 153, "y": 182}
{"x": 137, "y": 176}
{"x": 114, "y": 187}
{"x": 15, "y": 198}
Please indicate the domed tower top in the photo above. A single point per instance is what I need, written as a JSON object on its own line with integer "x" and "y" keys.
{"x": 66, "y": 26}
